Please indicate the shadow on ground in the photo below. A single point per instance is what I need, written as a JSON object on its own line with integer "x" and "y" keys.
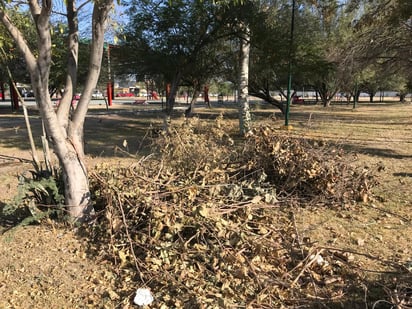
{"x": 378, "y": 152}
{"x": 10, "y": 218}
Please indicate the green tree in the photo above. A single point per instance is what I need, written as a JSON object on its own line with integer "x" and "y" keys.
{"x": 333, "y": 33}
{"x": 64, "y": 129}
{"x": 172, "y": 39}
{"x": 315, "y": 52}
{"x": 383, "y": 34}
{"x": 187, "y": 43}
{"x": 11, "y": 58}
{"x": 269, "y": 53}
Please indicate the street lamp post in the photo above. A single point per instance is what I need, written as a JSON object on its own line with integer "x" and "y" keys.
{"x": 109, "y": 82}
{"x": 288, "y": 99}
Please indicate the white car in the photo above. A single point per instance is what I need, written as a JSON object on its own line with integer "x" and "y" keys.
{"x": 97, "y": 94}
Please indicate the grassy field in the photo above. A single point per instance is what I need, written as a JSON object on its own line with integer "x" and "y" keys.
{"x": 39, "y": 264}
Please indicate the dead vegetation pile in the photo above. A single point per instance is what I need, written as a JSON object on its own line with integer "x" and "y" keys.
{"x": 207, "y": 221}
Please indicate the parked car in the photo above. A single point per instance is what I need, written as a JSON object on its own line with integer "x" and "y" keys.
{"x": 77, "y": 96}
{"x": 97, "y": 94}
{"x": 297, "y": 100}
{"x": 124, "y": 95}
{"x": 25, "y": 93}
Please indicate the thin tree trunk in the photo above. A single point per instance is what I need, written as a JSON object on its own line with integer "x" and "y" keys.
{"x": 72, "y": 64}
{"x": 172, "y": 96}
{"x": 244, "y": 108}
{"x": 189, "y": 112}
{"x": 196, "y": 91}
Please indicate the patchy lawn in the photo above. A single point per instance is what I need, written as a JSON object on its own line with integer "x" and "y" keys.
{"x": 54, "y": 265}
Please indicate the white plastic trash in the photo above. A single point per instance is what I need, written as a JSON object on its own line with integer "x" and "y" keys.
{"x": 143, "y": 297}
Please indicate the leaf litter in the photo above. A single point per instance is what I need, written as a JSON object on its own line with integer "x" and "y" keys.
{"x": 208, "y": 222}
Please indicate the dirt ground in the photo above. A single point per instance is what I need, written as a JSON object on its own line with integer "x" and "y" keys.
{"x": 50, "y": 265}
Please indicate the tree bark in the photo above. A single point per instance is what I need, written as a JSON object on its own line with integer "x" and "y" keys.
{"x": 244, "y": 108}
{"x": 189, "y": 112}
{"x": 172, "y": 96}
{"x": 265, "y": 95}
{"x": 72, "y": 64}
{"x": 77, "y": 194}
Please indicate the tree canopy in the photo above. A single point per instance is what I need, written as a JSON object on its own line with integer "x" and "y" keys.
{"x": 333, "y": 43}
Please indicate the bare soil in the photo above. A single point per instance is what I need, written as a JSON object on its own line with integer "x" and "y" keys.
{"x": 51, "y": 265}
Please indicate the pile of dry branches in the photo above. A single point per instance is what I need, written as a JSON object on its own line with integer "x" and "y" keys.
{"x": 309, "y": 170}
{"x": 200, "y": 223}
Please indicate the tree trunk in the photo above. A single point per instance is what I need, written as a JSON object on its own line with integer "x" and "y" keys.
{"x": 70, "y": 155}
{"x": 76, "y": 187}
{"x": 66, "y": 134}
{"x": 326, "y": 94}
{"x": 77, "y": 195}
{"x": 72, "y": 64}
{"x": 172, "y": 96}
{"x": 244, "y": 108}
{"x": 326, "y": 102}
{"x": 189, "y": 112}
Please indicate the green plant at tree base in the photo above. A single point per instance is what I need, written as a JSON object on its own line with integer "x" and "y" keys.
{"x": 39, "y": 196}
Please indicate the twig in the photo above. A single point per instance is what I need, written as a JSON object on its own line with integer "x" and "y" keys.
{"x": 16, "y": 158}
{"x": 367, "y": 255}
{"x": 306, "y": 266}
{"x": 129, "y": 238}
{"x": 117, "y": 148}
{"x": 46, "y": 150}
{"x": 297, "y": 233}
{"x": 325, "y": 298}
